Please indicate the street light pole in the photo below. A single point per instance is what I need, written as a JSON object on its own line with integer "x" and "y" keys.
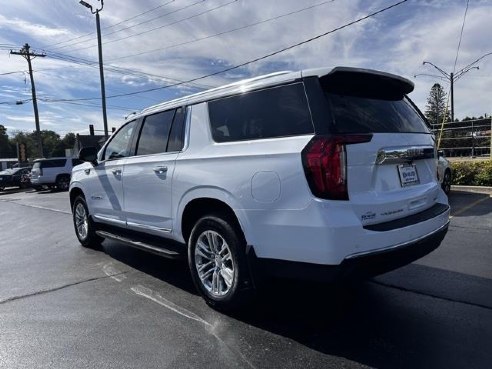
{"x": 101, "y": 68}
{"x": 452, "y": 78}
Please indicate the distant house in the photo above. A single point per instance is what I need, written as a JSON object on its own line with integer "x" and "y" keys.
{"x": 88, "y": 141}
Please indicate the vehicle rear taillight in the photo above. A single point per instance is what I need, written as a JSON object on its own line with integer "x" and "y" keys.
{"x": 325, "y": 164}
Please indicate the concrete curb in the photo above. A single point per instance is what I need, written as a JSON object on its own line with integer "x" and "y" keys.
{"x": 477, "y": 189}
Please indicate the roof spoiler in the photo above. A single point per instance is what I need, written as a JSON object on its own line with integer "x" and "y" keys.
{"x": 366, "y": 83}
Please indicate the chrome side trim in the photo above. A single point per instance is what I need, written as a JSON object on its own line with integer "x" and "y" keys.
{"x": 404, "y": 154}
{"x": 140, "y": 245}
{"x": 110, "y": 220}
{"x": 145, "y": 226}
{"x": 393, "y": 247}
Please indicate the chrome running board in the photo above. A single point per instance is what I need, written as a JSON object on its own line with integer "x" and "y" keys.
{"x": 140, "y": 245}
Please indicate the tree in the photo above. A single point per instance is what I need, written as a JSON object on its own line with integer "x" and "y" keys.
{"x": 436, "y": 110}
{"x": 5, "y": 147}
{"x": 50, "y": 141}
{"x": 67, "y": 142}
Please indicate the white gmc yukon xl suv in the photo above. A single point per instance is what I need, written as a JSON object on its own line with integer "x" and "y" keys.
{"x": 322, "y": 174}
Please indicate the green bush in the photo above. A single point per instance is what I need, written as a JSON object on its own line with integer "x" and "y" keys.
{"x": 472, "y": 173}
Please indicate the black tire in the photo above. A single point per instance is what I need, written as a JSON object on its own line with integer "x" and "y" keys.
{"x": 2, "y": 188}
{"x": 240, "y": 291}
{"x": 63, "y": 182}
{"x": 87, "y": 238}
{"x": 37, "y": 188}
{"x": 446, "y": 182}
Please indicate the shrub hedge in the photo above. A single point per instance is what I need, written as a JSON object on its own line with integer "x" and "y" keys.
{"x": 472, "y": 173}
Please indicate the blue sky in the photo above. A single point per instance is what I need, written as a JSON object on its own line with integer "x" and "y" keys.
{"x": 162, "y": 47}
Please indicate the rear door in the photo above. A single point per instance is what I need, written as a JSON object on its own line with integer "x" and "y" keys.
{"x": 147, "y": 178}
{"x": 393, "y": 175}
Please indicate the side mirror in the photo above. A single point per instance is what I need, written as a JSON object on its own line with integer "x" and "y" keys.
{"x": 88, "y": 154}
{"x": 440, "y": 153}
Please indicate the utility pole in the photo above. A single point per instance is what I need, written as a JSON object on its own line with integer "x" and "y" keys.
{"x": 26, "y": 54}
{"x": 101, "y": 69}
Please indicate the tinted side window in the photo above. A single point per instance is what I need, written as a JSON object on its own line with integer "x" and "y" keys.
{"x": 119, "y": 147}
{"x": 274, "y": 112}
{"x": 176, "y": 137}
{"x": 155, "y": 133}
{"x": 53, "y": 163}
{"x": 76, "y": 162}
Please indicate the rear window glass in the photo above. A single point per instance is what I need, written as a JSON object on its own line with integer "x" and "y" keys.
{"x": 353, "y": 114}
{"x": 274, "y": 112}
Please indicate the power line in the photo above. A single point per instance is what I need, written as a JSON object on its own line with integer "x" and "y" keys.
{"x": 114, "y": 25}
{"x": 160, "y": 27}
{"x": 147, "y": 21}
{"x": 110, "y": 107}
{"x": 224, "y": 32}
{"x": 117, "y": 69}
{"x": 256, "y": 59}
{"x": 461, "y": 35}
{"x": 17, "y": 71}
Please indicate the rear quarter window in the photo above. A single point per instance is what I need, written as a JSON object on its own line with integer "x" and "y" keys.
{"x": 273, "y": 112}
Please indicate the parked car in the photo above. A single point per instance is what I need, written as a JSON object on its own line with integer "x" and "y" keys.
{"x": 444, "y": 173}
{"x": 322, "y": 174}
{"x": 13, "y": 178}
{"x": 53, "y": 172}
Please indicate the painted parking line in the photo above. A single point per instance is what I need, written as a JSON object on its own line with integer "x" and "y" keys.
{"x": 468, "y": 207}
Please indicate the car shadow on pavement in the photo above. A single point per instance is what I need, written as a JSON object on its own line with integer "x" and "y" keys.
{"x": 414, "y": 317}
{"x": 11, "y": 190}
{"x": 174, "y": 272}
{"x": 385, "y": 322}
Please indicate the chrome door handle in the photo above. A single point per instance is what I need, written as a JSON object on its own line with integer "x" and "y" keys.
{"x": 160, "y": 170}
{"x": 116, "y": 172}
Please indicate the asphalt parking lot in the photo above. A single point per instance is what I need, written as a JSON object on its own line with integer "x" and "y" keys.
{"x": 64, "y": 306}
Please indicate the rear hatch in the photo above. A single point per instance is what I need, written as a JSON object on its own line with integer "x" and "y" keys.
{"x": 36, "y": 170}
{"x": 388, "y": 152}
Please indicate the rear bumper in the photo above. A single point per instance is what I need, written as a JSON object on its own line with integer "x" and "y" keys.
{"x": 39, "y": 181}
{"x": 356, "y": 266}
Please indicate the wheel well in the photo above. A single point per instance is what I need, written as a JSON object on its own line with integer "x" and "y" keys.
{"x": 197, "y": 208}
{"x": 73, "y": 195}
{"x": 62, "y": 175}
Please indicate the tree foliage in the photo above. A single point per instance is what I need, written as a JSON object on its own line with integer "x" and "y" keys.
{"x": 53, "y": 144}
{"x": 436, "y": 110}
{"x": 5, "y": 146}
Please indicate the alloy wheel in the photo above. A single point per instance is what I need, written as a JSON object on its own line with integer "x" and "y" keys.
{"x": 81, "y": 221}
{"x": 214, "y": 263}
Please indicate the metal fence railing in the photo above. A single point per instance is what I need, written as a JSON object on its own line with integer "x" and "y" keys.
{"x": 469, "y": 138}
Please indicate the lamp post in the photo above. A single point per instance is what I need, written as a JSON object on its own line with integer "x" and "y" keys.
{"x": 101, "y": 69}
{"x": 452, "y": 78}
